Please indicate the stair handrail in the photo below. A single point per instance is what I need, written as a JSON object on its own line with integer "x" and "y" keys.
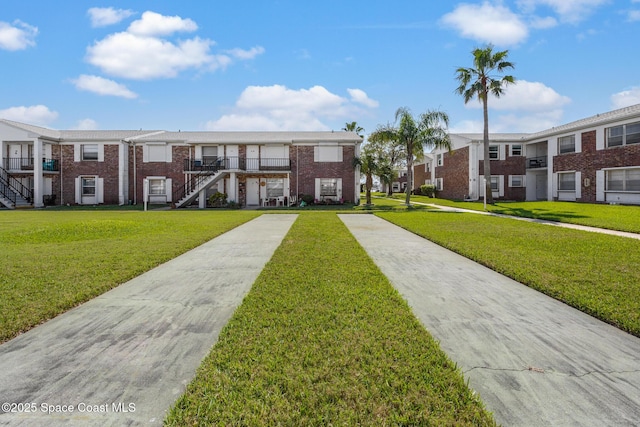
{"x": 193, "y": 182}
{"x": 15, "y": 185}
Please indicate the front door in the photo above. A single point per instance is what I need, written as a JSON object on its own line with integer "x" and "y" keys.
{"x": 253, "y": 154}
{"x": 88, "y": 190}
{"x": 253, "y": 191}
{"x": 541, "y": 187}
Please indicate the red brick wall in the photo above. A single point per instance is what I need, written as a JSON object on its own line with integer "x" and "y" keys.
{"x": 590, "y": 160}
{"x": 455, "y": 174}
{"x": 511, "y": 165}
{"x": 173, "y": 170}
{"x": 107, "y": 170}
{"x": 306, "y": 170}
{"x": 419, "y": 176}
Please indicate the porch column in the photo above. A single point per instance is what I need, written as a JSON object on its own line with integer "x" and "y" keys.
{"x": 202, "y": 199}
{"x": 38, "y": 180}
{"x": 233, "y": 188}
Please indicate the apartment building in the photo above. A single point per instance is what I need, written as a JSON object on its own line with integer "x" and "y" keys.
{"x": 594, "y": 160}
{"x": 41, "y": 166}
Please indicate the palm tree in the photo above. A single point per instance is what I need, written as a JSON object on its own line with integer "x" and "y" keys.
{"x": 429, "y": 131}
{"x": 353, "y": 127}
{"x": 480, "y": 82}
{"x": 369, "y": 167}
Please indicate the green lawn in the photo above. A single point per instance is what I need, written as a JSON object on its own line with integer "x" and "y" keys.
{"x": 322, "y": 339}
{"x": 51, "y": 261}
{"x": 596, "y": 273}
{"x": 614, "y": 217}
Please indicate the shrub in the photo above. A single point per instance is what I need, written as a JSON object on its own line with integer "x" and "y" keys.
{"x": 428, "y": 190}
{"x": 218, "y": 200}
{"x": 307, "y": 198}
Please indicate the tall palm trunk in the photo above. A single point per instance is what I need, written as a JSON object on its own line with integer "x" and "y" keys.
{"x": 487, "y": 162}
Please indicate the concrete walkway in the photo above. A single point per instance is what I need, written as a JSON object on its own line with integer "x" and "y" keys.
{"x": 539, "y": 221}
{"x": 123, "y": 358}
{"x": 533, "y": 360}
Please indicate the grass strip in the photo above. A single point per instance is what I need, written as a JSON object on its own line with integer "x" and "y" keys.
{"x": 613, "y": 217}
{"x": 52, "y": 261}
{"x": 595, "y": 273}
{"x": 323, "y": 338}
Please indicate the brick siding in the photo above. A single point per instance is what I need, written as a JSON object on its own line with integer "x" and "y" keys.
{"x": 455, "y": 174}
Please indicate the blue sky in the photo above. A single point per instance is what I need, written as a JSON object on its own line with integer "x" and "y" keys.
{"x": 293, "y": 65}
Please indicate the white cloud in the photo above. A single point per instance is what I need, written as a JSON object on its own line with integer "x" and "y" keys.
{"x": 17, "y": 36}
{"x": 35, "y": 114}
{"x": 154, "y": 24}
{"x": 246, "y": 54}
{"x": 571, "y": 11}
{"x": 102, "y": 86}
{"x": 626, "y": 98}
{"x": 280, "y": 108}
{"x": 140, "y": 52}
{"x": 525, "y": 96}
{"x": 131, "y": 56}
{"x": 633, "y": 15}
{"x": 86, "y": 124}
{"x": 543, "y": 23}
{"x": 104, "y": 16}
{"x": 360, "y": 97}
{"x": 487, "y": 23}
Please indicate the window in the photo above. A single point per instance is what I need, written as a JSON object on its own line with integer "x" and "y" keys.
{"x": 623, "y": 180}
{"x": 516, "y": 180}
{"x": 494, "y": 152}
{"x": 623, "y": 135}
{"x": 89, "y": 151}
{"x": 495, "y": 184}
{"x": 439, "y": 159}
{"x": 275, "y": 187}
{"x": 439, "y": 184}
{"x": 88, "y": 186}
{"x": 327, "y": 153}
{"x": 516, "y": 149}
{"x": 567, "y": 144}
{"x": 157, "y": 187}
{"x": 567, "y": 181}
{"x": 157, "y": 153}
{"x": 328, "y": 187}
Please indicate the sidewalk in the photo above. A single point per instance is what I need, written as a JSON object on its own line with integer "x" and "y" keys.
{"x": 534, "y": 360}
{"x": 539, "y": 221}
{"x": 124, "y": 357}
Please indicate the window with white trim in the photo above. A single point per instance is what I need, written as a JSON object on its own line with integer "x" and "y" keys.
{"x": 495, "y": 184}
{"x": 157, "y": 187}
{"x": 89, "y": 151}
{"x": 516, "y": 149}
{"x": 516, "y": 180}
{"x": 157, "y": 153}
{"x": 439, "y": 159}
{"x": 439, "y": 184}
{"x": 275, "y": 187}
{"x": 567, "y": 144}
{"x": 494, "y": 152}
{"x": 327, "y": 153}
{"x": 623, "y": 135}
{"x": 623, "y": 179}
{"x": 566, "y": 181}
{"x": 88, "y": 184}
{"x": 328, "y": 187}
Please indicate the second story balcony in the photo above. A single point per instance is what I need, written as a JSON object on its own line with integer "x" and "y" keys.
{"x": 26, "y": 164}
{"x": 215, "y": 164}
{"x": 536, "y": 162}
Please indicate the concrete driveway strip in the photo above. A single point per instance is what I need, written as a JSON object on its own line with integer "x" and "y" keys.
{"x": 534, "y": 360}
{"x": 124, "y": 357}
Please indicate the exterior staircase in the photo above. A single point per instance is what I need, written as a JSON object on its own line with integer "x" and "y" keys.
{"x": 196, "y": 184}
{"x": 13, "y": 195}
